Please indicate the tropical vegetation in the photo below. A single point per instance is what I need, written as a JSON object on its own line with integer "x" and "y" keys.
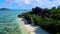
{"x": 48, "y": 19}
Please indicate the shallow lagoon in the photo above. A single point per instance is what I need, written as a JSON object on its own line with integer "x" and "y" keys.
{"x": 9, "y": 23}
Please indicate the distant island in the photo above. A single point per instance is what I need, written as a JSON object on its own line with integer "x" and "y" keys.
{"x": 4, "y": 9}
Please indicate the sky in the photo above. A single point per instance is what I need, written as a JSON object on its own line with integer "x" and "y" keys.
{"x": 28, "y": 4}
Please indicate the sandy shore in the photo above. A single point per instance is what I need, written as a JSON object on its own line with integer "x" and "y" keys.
{"x": 28, "y": 27}
{"x": 31, "y": 29}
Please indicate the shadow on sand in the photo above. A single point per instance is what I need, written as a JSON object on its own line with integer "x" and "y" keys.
{"x": 38, "y": 29}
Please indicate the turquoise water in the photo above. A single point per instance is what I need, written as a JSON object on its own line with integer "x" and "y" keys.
{"x": 9, "y": 23}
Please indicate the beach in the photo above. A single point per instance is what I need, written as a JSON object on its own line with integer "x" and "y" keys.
{"x": 28, "y": 27}
{"x": 32, "y": 29}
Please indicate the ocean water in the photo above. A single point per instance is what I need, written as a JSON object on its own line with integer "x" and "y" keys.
{"x": 9, "y": 23}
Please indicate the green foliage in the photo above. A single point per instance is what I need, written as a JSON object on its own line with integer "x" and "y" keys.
{"x": 51, "y": 23}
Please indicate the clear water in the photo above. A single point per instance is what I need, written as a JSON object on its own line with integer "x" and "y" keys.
{"x": 9, "y": 23}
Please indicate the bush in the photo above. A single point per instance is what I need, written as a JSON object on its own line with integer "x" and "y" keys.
{"x": 49, "y": 23}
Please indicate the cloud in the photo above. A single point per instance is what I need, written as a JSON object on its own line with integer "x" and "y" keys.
{"x": 27, "y": 2}
{"x": 22, "y": 1}
{"x": 37, "y": 1}
{"x": 48, "y": 3}
{"x": 30, "y": 3}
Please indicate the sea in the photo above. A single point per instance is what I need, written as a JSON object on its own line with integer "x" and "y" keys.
{"x": 9, "y": 22}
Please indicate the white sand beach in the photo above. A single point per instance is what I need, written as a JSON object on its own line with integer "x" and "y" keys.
{"x": 32, "y": 29}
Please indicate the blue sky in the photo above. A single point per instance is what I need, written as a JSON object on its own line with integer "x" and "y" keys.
{"x": 28, "y": 4}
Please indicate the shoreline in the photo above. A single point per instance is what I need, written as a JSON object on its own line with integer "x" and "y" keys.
{"x": 21, "y": 25}
{"x": 30, "y": 29}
